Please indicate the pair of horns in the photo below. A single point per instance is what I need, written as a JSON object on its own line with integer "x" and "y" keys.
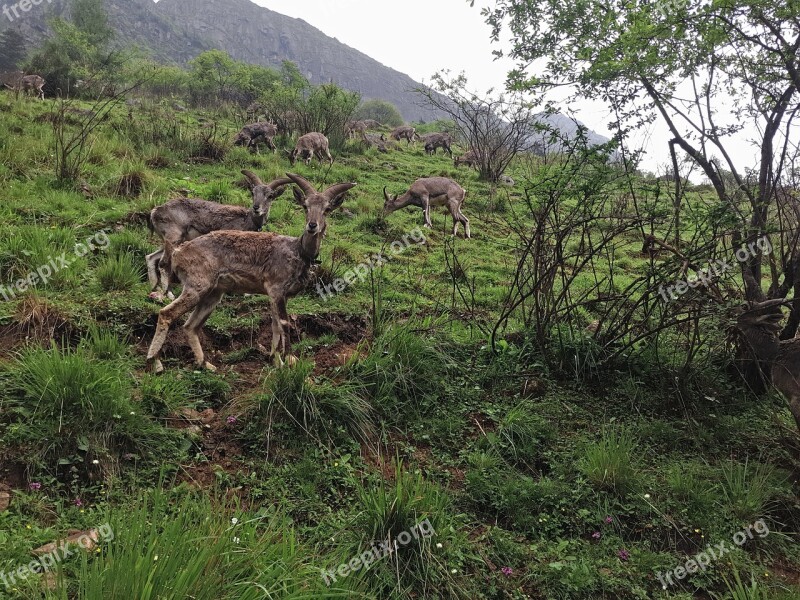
{"x": 386, "y": 196}
{"x": 255, "y": 180}
{"x": 308, "y": 189}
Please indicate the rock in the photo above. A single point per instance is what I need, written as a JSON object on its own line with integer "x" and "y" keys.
{"x": 87, "y": 540}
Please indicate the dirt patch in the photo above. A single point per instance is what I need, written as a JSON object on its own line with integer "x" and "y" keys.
{"x": 35, "y": 321}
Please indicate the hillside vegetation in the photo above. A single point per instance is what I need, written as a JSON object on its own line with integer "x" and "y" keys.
{"x": 504, "y": 471}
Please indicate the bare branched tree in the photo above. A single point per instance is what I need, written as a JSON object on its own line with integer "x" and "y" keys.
{"x": 495, "y": 128}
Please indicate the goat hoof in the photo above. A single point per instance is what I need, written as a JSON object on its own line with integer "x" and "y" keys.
{"x": 155, "y": 366}
{"x": 291, "y": 360}
{"x": 156, "y": 296}
{"x": 208, "y": 366}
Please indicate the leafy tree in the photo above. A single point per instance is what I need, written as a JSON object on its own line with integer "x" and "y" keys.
{"x": 214, "y": 74}
{"x": 675, "y": 61}
{"x": 12, "y": 50}
{"x": 65, "y": 57}
{"x": 382, "y": 111}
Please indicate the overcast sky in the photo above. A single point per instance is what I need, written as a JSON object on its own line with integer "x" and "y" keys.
{"x": 400, "y": 34}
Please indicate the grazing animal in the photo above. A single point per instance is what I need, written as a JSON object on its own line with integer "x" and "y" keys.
{"x": 354, "y": 128}
{"x": 433, "y": 141}
{"x": 760, "y": 324}
{"x": 254, "y": 133}
{"x": 311, "y": 145}
{"x": 27, "y": 83}
{"x": 372, "y": 124}
{"x": 404, "y": 132}
{"x": 469, "y": 158}
{"x": 246, "y": 262}
{"x": 431, "y": 191}
{"x": 379, "y": 141}
{"x": 183, "y": 219}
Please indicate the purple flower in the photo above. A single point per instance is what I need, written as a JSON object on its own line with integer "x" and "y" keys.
{"x": 609, "y": 520}
{"x": 77, "y": 502}
{"x": 230, "y": 420}
{"x": 596, "y": 535}
{"x": 34, "y": 485}
{"x": 507, "y": 571}
{"x": 623, "y": 554}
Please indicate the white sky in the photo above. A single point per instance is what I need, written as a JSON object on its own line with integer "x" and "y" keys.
{"x": 399, "y": 34}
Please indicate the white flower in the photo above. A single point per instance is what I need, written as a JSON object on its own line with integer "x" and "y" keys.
{"x": 133, "y": 413}
{"x": 439, "y": 545}
{"x": 647, "y": 496}
{"x": 454, "y": 571}
{"x": 234, "y": 520}
{"x": 236, "y": 540}
{"x": 95, "y": 462}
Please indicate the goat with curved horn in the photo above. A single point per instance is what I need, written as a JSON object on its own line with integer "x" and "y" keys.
{"x": 183, "y": 219}
{"x": 246, "y": 262}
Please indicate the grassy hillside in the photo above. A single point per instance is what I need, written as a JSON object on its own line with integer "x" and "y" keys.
{"x": 498, "y": 474}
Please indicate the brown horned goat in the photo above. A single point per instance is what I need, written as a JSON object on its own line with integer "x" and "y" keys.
{"x": 27, "y": 83}
{"x": 183, "y": 219}
{"x": 404, "y": 132}
{"x": 311, "y": 145}
{"x": 433, "y": 141}
{"x": 246, "y": 262}
{"x": 431, "y": 191}
{"x": 355, "y": 128}
{"x": 254, "y": 133}
{"x": 760, "y": 324}
{"x": 469, "y": 158}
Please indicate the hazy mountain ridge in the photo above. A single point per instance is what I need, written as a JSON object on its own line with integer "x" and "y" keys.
{"x": 175, "y": 31}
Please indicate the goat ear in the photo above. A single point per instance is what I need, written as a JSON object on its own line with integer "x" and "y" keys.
{"x": 299, "y": 197}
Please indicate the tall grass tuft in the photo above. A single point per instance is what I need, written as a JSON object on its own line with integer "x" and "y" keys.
{"x": 192, "y": 548}
{"x": 315, "y": 405}
{"x": 119, "y": 272}
{"x": 608, "y": 463}
{"x": 749, "y": 488}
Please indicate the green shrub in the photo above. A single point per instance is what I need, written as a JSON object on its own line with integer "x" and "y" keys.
{"x": 120, "y": 272}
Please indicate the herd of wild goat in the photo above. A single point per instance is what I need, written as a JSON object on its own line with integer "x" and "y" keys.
{"x": 213, "y": 248}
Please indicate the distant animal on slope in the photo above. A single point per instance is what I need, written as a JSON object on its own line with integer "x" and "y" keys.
{"x": 379, "y": 141}
{"x": 469, "y": 158}
{"x": 254, "y": 133}
{"x": 355, "y": 128}
{"x": 760, "y": 324}
{"x": 311, "y": 145}
{"x": 433, "y": 141}
{"x": 183, "y": 219}
{"x": 404, "y": 132}
{"x": 27, "y": 83}
{"x": 372, "y": 124}
{"x": 431, "y": 191}
{"x": 244, "y": 262}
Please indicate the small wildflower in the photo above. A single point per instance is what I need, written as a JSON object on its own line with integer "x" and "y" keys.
{"x": 27, "y": 526}
{"x": 609, "y": 520}
{"x": 623, "y": 554}
{"x": 438, "y": 544}
{"x": 454, "y": 571}
{"x": 95, "y": 462}
{"x": 336, "y": 464}
{"x": 34, "y": 485}
{"x": 596, "y": 535}
{"x": 647, "y": 496}
{"x": 133, "y": 413}
{"x": 507, "y": 571}
{"x": 236, "y": 540}
{"x": 234, "y": 520}
{"x": 697, "y": 531}
{"x": 155, "y": 558}
{"x": 77, "y": 502}
{"x": 230, "y": 420}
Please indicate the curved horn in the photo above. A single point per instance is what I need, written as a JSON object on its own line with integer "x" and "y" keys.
{"x": 385, "y": 195}
{"x": 302, "y": 183}
{"x": 337, "y": 190}
{"x": 279, "y": 182}
{"x": 252, "y": 178}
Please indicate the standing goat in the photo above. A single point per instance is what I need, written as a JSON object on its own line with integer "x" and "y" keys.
{"x": 254, "y": 133}
{"x": 355, "y": 128}
{"x": 760, "y": 324}
{"x": 433, "y": 141}
{"x": 469, "y": 158}
{"x": 245, "y": 262}
{"x": 311, "y": 145}
{"x": 404, "y": 132}
{"x": 27, "y": 83}
{"x": 431, "y": 191}
{"x": 183, "y": 219}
